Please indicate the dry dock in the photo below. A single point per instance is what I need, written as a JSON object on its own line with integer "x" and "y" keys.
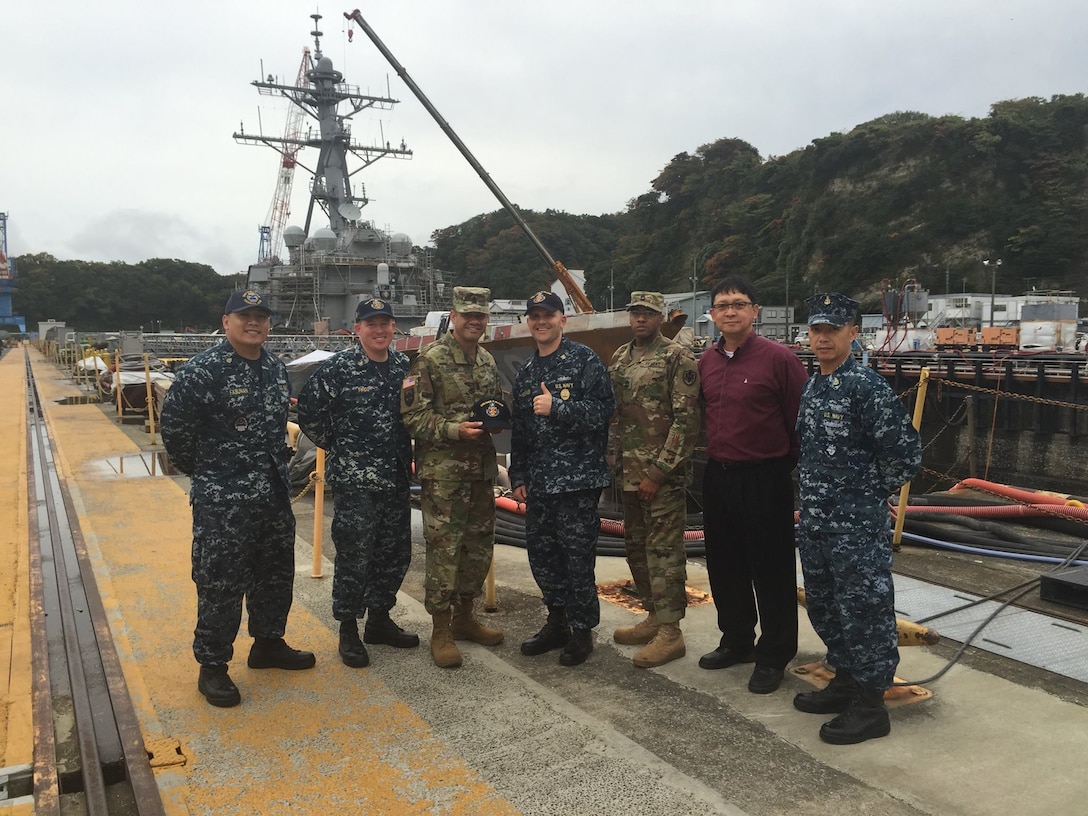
{"x": 504, "y": 734}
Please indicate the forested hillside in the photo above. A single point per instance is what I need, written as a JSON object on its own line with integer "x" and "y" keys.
{"x": 904, "y": 196}
{"x": 157, "y": 293}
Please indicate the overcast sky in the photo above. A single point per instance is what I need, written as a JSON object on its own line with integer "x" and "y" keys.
{"x": 115, "y": 138}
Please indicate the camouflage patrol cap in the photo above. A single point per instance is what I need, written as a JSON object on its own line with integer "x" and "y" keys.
{"x": 493, "y": 413}
{"x": 831, "y": 308}
{"x": 647, "y": 300}
{"x": 471, "y": 299}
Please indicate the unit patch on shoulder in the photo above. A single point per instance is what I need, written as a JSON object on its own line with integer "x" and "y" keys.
{"x": 689, "y": 377}
{"x": 408, "y": 392}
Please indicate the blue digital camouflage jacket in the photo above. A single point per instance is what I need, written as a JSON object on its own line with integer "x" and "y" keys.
{"x": 226, "y": 427}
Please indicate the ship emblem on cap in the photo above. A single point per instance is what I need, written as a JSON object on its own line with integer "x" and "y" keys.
{"x": 539, "y": 296}
{"x": 251, "y": 297}
{"x": 377, "y": 304}
{"x": 492, "y": 410}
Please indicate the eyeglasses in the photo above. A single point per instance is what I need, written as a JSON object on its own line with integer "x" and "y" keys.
{"x": 735, "y": 305}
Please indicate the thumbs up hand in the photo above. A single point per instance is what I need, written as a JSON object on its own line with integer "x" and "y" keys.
{"x": 542, "y": 403}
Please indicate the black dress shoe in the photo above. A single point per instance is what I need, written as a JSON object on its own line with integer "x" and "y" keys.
{"x": 765, "y": 679}
{"x": 578, "y": 648}
{"x": 217, "y": 687}
{"x": 273, "y": 653}
{"x": 723, "y": 658}
{"x": 380, "y": 628}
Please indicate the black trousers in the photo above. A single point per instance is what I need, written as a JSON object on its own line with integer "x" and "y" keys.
{"x": 748, "y": 524}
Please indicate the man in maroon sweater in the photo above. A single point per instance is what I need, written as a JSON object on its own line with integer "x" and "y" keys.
{"x": 751, "y": 391}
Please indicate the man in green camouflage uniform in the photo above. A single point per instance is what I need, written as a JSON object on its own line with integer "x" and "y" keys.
{"x": 656, "y": 383}
{"x": 455, "y": 459}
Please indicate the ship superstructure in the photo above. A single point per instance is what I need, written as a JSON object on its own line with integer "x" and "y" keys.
{"x": 336, "y": 257}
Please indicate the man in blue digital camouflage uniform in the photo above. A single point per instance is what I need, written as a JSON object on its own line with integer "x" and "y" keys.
{"x": 559, "y": 436}
{"x": 440, "y": 400}
{"x": 351, "y": 408}
{"x": 224, "y": 423}
{"x": 857, "y": 447}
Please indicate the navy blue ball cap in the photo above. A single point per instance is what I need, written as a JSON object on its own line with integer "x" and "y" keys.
{"x": 544, "y": 300}
{"x": 373, "y": 307}
{"x": 831, "y": 308}
{"x": 243, "y": 299}
{"x": 493, "y": 413}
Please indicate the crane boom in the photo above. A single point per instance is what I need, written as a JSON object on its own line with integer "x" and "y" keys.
{"x": 577, "y": 296}
{"x": 280, "y": 207}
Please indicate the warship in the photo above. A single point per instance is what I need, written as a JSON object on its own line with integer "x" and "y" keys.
{"x": 317, "y": 272}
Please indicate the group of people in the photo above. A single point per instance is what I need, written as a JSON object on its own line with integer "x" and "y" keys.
{"x": 576, "y": 426}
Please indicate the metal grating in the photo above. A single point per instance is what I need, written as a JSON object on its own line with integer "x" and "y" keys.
{"x": 1028, "y": 637}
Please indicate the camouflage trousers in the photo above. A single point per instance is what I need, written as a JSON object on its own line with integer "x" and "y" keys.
{"x": 561, "y": 536}
{"x": 654, "y": 540}
{"x": 241, "y": 551}
{"x": 851, "y": 602}
{"x": 459, "y": 530}
{"x": 372, "y": 534}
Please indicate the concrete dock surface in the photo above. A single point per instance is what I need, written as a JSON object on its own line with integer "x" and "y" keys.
{"x": 505, "y": 733}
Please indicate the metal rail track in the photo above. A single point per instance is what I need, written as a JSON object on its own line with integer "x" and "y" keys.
{"x": 89, "y": 754}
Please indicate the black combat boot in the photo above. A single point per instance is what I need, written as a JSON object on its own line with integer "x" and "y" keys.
{"x": 577, "y": 649}
{"x": 273, "y": 653}
{"x": 380, "y": 628}
{"x": 554, "y": 635}
{"x": 217, "y": 687}
{"x": 834, "y": 698}
{"x": 865, "y": 718}
{"x": 352, "y": 650}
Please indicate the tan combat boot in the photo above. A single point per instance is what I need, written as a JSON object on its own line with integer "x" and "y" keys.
{"x": 668, "y": 644}
{"x": 642, "y": 632}
{"x": 466, "y": 627}
{"x": 444, "y": 651}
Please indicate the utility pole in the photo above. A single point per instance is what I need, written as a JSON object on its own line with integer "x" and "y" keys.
{"x": 993, "y": 284}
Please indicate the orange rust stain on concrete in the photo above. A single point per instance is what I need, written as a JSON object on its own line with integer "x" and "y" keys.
{"x": 331, "y": 739}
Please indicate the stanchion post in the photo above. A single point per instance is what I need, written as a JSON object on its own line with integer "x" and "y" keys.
{"x": 490, "y": 604}
{"x": 117, "y": 379}
{"x": 319, "y": 511}
{"x": 904, "y": 491}
{"x": 150, "y": 399}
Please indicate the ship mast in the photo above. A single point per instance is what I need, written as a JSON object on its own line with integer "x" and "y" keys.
{"x": 319, "y": 98}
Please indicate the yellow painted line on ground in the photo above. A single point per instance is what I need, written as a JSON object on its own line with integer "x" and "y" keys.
{"x": 330, "y": 740}
{"x": 16, "y": 726}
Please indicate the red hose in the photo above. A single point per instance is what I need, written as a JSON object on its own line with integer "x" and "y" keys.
{"x": 608, "y": 526}
{"x": 1015, "y": 493}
